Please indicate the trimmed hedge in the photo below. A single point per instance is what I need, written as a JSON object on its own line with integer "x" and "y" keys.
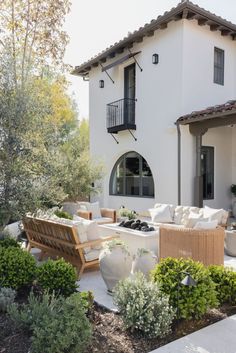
{"x": 57, "y": 276}
{"x": 225, "y": 281}
{"x": 17, "y": 268}
{"x": 193, "y": 301}
{"x": 9, "y": 242}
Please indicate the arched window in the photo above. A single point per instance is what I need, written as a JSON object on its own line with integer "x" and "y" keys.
{"x": 132, "y": 176}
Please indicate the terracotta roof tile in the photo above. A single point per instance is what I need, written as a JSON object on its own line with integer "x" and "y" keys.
{"x": 209, "y": 112}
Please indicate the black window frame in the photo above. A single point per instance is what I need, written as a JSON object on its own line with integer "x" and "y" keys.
{"x": 122, "y": 159}
{"x": 208, "y": 175}
{"x": 219, "y": 66}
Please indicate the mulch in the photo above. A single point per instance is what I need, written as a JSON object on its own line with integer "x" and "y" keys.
{"x": 109, "y": 335}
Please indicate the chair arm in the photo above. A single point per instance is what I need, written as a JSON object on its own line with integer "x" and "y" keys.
{"x": 94, "y": 242}
{"x": 85, "y": 214}
{"x": 108, "y": 212}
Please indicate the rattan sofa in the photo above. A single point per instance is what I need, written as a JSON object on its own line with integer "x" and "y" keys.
{"x": 206, "y": 246}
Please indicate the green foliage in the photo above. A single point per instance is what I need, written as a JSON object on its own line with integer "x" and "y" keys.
{"x": 9, "y": 242}
{"x": 7, "y": 297}
{"x": 17, "y": 267}
{"x": 63, "y": 214}
{"x": 87, "y": 299}
{"x": 125, "y": 212}
{"x": 193, "y": 301}
{"x": 57, "y": 276}
{"x": 225, "y": 281}
{"x": 58, "y": 325}
{"x": 143, "y": 307}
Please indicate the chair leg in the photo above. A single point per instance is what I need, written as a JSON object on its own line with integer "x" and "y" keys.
{"x": 41, "y": 255}
{"x": 81, "y": 270}
{"x": 28, "y": 248}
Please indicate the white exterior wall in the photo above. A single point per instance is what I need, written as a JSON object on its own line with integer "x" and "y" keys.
{"x": 200, "y": 92}
{"x": 158, "y": 104}
{"x": 181, "y": 83}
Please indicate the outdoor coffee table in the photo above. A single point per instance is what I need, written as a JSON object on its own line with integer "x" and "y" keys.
{"x": 134, "y": 239}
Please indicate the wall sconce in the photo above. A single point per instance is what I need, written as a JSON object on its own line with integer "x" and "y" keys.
{"x": 101, "y": 84}
{"x": 155, "y": 58}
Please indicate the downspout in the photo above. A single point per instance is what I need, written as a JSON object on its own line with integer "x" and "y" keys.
{"x": 179, "y": 163}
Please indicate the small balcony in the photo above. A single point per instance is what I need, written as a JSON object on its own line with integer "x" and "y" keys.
{"x": 121, "y": 115}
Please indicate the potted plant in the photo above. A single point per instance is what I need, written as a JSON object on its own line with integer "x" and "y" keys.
{"x": 233, "y": 190}
{"x": 145, "y": 261}
{"x": 115, "y": 263}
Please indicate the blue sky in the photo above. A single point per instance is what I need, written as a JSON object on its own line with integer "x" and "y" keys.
{"x": 94, "y": 25}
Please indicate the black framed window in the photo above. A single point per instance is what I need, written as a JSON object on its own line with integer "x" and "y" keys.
{"x": 219, "y": 63}
{"x": 207, "y": 165}
{"x": 132, "y": 176}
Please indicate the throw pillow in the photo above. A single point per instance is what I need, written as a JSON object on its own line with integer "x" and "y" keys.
{"x": 206, "y": 225}
{"x": 95, "y": 209}
{"x": 161, "y": 214}
{"x": 91, "y": 229}
{"x": 193, "y": 218}
{"x": 213, "y": 214}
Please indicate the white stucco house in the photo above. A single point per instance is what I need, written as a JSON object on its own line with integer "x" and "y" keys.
{"x": 163, "y": 111}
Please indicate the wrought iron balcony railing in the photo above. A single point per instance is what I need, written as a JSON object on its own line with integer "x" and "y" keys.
{"x": 121, "y": 115}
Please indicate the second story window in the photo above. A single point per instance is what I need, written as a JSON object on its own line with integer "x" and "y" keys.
{"x": 219, "y": 59}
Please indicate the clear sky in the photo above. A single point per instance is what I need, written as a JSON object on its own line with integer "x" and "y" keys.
{"x": 94, "y": 25}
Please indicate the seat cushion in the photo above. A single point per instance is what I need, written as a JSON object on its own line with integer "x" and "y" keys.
{"x": 103, "y": 220}
{"x": 92, "y": 255}
{"x": 206, "y": 225}
{"x": 213, "y": 214}
{"x": 193, "y": 219}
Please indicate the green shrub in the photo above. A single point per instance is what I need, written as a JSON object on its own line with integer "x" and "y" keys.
{"x": 225, "y": 281}
{"x": 58, "y": 276}
{"x": 143, "y": 307}
{"x": 58, "y": 325}
{"x": 17, "y": 268}
{"x": 7, "y": 297}
{"x": 9, "y": 242}
{"x": 193, "y": 301}
{"x": 63, "y": 214}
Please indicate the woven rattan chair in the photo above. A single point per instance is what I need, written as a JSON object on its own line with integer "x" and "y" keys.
{"x": 206, "y": 246}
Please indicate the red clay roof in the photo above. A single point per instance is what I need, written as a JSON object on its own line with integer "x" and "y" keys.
{"x": 184, "y": 10}
{"x": 208, "y": 113}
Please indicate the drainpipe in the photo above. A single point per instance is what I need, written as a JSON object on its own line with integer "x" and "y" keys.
{"x": 179, "y": 163}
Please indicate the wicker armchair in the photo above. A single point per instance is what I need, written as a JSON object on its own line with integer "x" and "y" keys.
{"x": 206, "y": 246}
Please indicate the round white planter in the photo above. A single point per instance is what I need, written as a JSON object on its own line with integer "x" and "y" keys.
{"x": 144, "y": 262}
{"x": 115, "y": 264}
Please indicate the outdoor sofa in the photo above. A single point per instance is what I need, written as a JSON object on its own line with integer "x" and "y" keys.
{"x": 64, "y": 238}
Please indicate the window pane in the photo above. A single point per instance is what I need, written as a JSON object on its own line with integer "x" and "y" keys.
{"x": 132, "y": 174}
{"x": 147, "y": 180}
{"x": 118, "y": 180}
{"x": 219, "y": 66}
{"x": 207, "y": 164}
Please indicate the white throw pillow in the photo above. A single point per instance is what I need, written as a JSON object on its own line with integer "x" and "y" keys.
{"x": 213, "y": 214}
{"x": 161, "y": 214}
{"x": 206, "y": 225}
{"x": 91, "y": 229}
{"x": 193, "y": 219}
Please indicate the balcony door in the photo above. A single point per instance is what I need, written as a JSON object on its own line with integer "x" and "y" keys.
{"x": 129, "y": 94}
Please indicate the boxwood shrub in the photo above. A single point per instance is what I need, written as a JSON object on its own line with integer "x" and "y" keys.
{"x": 17, "y": 267}
{"x": 9, "y": 242}
{"x": 57, "y": 276}
{"x": 225, "y": 281}
{"x": 193, "y": 301}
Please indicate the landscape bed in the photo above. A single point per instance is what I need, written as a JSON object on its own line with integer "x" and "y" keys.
{"x": 109, "y": 335}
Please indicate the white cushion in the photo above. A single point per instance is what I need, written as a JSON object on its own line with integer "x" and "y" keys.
{"x": 213, "y": 214}
{"x": 182, "y": 213}
{"x": 193, "y": 219}
{"x": 91, "y": 207}
{"x": 171, "y": 207}
{"x": 161, "y": 214}
{"x": 91, "y": 229}
{"x": 71, "y": 207}
{"x": 206, "y": 225}
{"x": 103, "y": 220}
{"x": 92, "y": 255}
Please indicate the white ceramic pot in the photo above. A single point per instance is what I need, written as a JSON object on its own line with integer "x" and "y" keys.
{"x": 234, "y": 209}
{"x": 115, "y": 264}
{"x": 144, "y": 261}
